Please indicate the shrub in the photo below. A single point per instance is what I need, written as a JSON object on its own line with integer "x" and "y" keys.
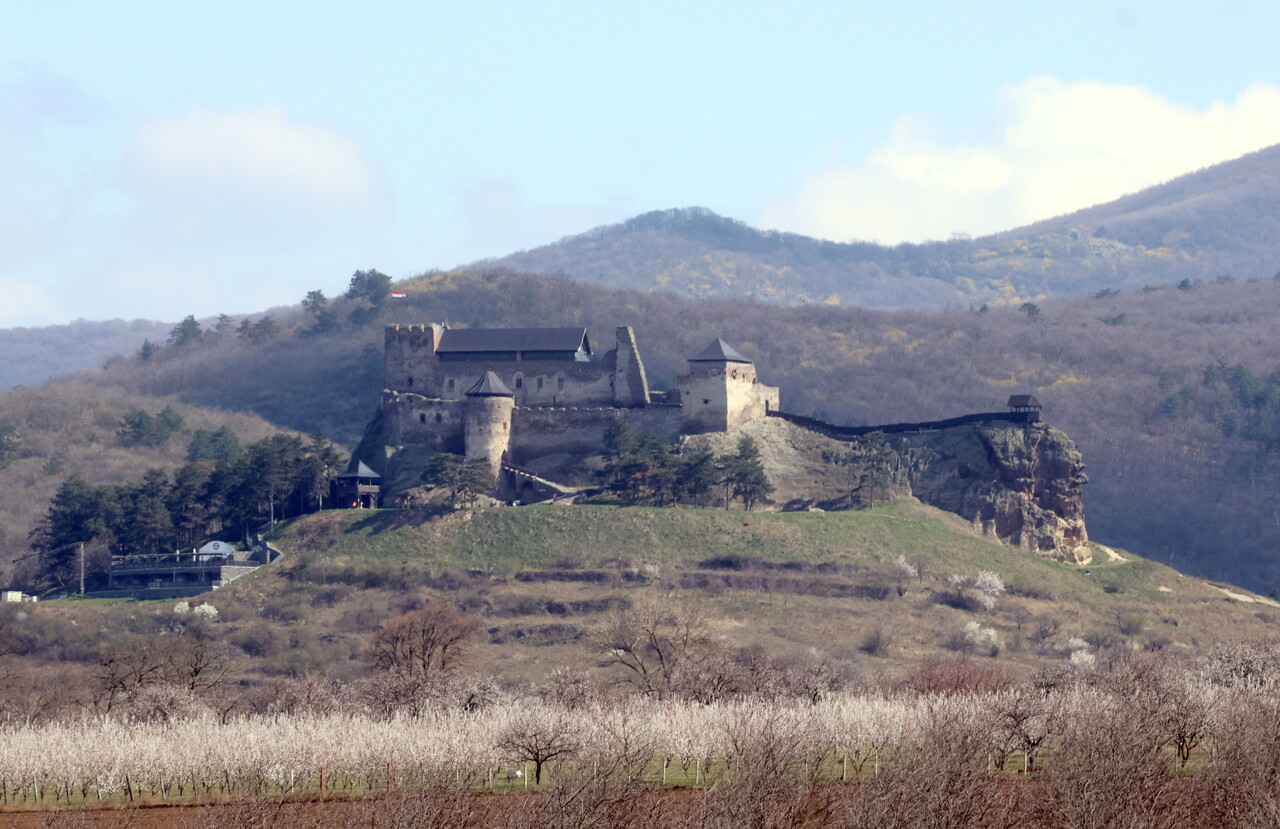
{"x": 1131, "y": 624}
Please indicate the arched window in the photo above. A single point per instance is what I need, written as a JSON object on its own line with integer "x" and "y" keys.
{"x": 560, "y": 383}
{"x": 422, "y": 417}
{"x": 519, "y": 381}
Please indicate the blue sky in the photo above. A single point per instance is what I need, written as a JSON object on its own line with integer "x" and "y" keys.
{"x": 171, "y": 158}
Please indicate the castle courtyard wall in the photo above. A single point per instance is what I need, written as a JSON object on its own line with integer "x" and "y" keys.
{"x": 551, "y": 430}
{"x": 428, "y": 421}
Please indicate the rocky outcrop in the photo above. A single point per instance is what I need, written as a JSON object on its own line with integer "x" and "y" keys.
{"x": 1018, "y": 482}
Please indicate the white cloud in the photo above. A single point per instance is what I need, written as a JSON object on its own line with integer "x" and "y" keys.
{"x": 24, "y": 303}
{"x": 255, "y": 150}
{"x": 251, "y": 175}
{"x": 1057, "y": 147}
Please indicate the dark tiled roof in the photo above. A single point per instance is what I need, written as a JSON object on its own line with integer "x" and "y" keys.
{"x": 357, "y": 469}
{"x": 490, "y": 385}
{"x": 462, "y": 340}
{"x": 720, "y": 352}
{"x": 1022, "y": 401}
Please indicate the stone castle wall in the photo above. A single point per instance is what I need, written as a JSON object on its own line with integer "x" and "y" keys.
{"x": 537, "y": 432}
{"x": 534, "y": 382}
{"x": 428, "y": 421}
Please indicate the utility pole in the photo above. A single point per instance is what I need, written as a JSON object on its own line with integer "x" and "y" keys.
{"x": 82, "y": 568}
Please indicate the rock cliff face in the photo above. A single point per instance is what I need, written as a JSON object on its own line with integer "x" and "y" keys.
{"x": 1020, "y": 483}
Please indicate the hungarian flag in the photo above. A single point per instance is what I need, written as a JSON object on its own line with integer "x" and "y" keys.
{"x": 398, "y": 294}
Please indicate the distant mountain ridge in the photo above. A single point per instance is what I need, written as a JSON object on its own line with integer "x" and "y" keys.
{"x": 1222, "y": 220}
{"x": 33, "y": 355}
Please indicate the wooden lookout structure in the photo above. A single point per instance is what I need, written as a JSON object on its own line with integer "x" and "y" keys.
{"x": 358, "y": 487}
{"x": 1025, "y": 404}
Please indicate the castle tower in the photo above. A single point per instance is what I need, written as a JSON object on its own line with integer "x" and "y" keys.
{"x": 486, "y": 420}
{"x": 409, "y": 358}
{"x": 721, "y": 392}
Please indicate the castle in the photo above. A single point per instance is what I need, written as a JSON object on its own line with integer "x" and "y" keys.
{"x": 517, "y": 394}
{"x": 535, "y": 404}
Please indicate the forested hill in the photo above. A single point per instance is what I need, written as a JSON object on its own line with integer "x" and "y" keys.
{"x": 1172, "y": 394}
{"x": 33, "y": 355}
{"x": 1218, "y": 221}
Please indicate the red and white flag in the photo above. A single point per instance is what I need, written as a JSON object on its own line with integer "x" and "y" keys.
{"x": 399, "y": 294}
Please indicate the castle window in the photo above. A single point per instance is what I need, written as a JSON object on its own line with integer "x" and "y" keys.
{"x": 519, "y": 381}
{"x": 539, "y": 382}
{"x": 422, "y": 418}
{"x": 706, "y": 402}
{"x": 560, "y": 383}
{"x": 437, "y": 417}
{"x": 410, "y": 383}
{"x": 449, "y": 384}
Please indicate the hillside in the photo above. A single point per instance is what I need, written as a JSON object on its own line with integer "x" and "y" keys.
{"x": 541, "y": 580}
{"x": 1221, "y": 220}
{"x": 33, "y": 355}
{"x": 1179, "y": 455}
{"x": 69, "y": 427}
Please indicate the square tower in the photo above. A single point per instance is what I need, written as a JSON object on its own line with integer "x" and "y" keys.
{"x": 721, "y": 391}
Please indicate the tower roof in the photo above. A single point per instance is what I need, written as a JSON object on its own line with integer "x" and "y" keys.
{"x": 358, "y": 469}
{"x": 490, "y": 385}
{"x": 719, "y": 352}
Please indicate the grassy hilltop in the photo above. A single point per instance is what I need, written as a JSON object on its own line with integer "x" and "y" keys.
{"x": 540, "y": 579}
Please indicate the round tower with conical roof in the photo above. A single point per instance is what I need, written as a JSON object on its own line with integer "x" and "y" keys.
{"x": 486, "y": 420}
{"x": 721, "y": 391}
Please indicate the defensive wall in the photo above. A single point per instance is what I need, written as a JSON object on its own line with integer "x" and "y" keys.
{"x": 579, "y": 430}
{"x": 839, "y": 432}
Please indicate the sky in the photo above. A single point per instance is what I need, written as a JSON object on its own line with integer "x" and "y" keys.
{"x": 165, "y": 159}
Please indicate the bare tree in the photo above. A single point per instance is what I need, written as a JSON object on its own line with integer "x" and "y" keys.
{"x": 432, "y": 640}
{"x": 654, "y": 640}
{"x": 539, "y": 736}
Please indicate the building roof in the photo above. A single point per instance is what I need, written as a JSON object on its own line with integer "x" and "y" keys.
{"x": 466, "y": 340}
{"x": 357, "y": 469}
{"x": 490, "y": 385}
{"x": 720, "y": 352}
{"x": 1022, "y": 401}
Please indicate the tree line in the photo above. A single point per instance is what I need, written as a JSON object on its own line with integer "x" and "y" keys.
{"x": 643, "y": 469}
{"x": 222, "y": 488}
